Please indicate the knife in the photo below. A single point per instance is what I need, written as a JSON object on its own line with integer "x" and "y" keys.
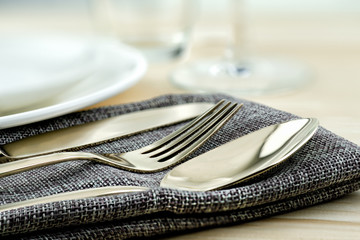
{"x": 74, "y": 195}
{"x": 102, "y": 130}
{"x": 239, "y": 160}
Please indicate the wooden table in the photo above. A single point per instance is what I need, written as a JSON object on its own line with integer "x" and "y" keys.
{"x": 330, "y": 44}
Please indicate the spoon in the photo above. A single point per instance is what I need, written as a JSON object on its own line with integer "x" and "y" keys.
{"x": 242, "y": 159}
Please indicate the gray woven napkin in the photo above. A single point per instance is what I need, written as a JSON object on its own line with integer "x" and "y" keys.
{"x": 326, "y": 168}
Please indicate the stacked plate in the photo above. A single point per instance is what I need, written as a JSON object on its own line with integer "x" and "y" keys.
{"x": 47, "y": 76}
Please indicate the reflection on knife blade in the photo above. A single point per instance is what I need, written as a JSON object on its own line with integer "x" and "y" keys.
{"x": 102, "y": 130}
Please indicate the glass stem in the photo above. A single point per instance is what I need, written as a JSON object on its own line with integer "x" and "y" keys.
{"x": 237, "y": 14}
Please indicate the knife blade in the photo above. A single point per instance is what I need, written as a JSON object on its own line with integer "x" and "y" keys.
{"x": 102, "y": 130}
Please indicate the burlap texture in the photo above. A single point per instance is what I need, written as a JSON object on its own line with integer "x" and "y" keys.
{"x": 326, "y": 168}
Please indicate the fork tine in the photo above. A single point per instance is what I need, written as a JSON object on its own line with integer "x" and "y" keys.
{"x": 158, "y": 144}
{"x": 198, "y": 138}
{"x": 193, "y": 132}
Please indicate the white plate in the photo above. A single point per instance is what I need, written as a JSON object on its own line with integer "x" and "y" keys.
{"x": 119, "y": 68}
{"x": 34, "y": 68}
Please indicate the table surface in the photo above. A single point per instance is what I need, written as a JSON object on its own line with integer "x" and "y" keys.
{"x": 330, "y": 45}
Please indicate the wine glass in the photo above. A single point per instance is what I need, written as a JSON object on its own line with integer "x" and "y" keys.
{"x": 241, "y": 73}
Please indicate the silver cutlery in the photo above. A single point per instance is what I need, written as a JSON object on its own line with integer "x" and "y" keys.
{"x": 239, "y": 160}
{"x": 154, "y": 157}
{"x": 243, "y": 158}
{"x": 73, "y": 195}
{"x": 102, "y": 130}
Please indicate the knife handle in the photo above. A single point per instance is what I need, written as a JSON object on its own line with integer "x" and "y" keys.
{"x": 73, "y": 195}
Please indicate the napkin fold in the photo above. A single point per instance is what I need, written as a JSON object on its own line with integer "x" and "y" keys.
{"x": 326, "y": 168}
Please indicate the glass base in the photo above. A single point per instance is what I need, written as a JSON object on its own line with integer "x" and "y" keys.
{"x": 160, "y": 48}
{"x": 257, "y": 76}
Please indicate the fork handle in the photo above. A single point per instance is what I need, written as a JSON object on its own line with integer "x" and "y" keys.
{"x": 25, "y": 164}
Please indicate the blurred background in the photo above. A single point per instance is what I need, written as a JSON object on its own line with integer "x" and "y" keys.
{"x": 322, "y": 35}
{"x": 327, "y": 23}
{"x": 278, "y": 27}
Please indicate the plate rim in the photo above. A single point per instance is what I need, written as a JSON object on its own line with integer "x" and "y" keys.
{"x": 67, "y": 106}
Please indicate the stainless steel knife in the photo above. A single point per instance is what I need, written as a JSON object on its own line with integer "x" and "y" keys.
{"x": 74, "y": 195}
{"x": 102, "y": 130}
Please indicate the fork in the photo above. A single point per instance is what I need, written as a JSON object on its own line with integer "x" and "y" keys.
{"x": 154, "y": 157}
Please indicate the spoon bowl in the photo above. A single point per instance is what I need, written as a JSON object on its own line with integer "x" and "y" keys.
{"x": 242, "y": 159}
